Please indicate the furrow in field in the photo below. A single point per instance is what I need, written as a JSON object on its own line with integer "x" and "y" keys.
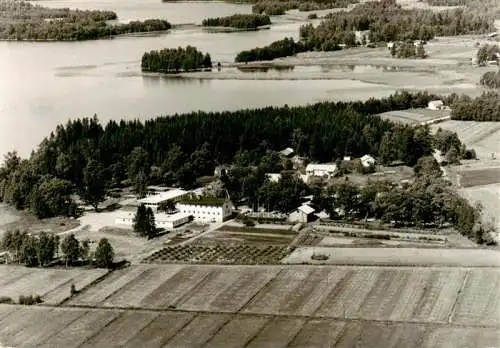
{"x": 277, "y": 333}
{"x": 318, "y": 333}
{"x": 237, "y": 332}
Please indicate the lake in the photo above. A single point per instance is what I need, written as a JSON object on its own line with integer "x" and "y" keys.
{"x": 45, "y": 83}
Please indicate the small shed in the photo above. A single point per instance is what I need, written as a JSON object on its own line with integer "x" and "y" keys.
{"x": 273, "y": 177}
{"x": 435, "y": 105}
{"x": 304, "y": 213}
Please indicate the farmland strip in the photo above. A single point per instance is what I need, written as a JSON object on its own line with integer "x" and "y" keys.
{"x": 318, "y": 333}
{"x": 237, "y": 332}
{"x": 277, "y": 333}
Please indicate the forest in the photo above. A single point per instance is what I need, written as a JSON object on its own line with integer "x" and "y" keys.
{"x": 282, "y": 48}
{"x": 388, "y": 21}
{"x": 279, "y": 7}
{"x": 483, "y": 108}
{"x": 171, "y": 60}
{"x": 40, "y": 23}
{"x": 491, "y": 79}
{"x": 86, "y": 157}
{"x": 240, "y": 21}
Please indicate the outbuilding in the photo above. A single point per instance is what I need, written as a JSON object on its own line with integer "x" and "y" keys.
{"x": 435, "y": 105}
{"x": 154, "y": 201}
{"x": 321, "y": 170}
{"x": 304, "y": 214}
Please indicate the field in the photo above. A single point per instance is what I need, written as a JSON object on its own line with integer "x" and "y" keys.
{"x": 269, "y": 306}
{"x": 481, "y": 136}
{"x": 52, "y": 285}
{"x": 489, "y": 197}
{"x": 414, "y": 116}
{"x": 466, "y": 257}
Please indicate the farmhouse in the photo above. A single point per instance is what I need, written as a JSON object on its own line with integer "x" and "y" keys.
{"x": 206, "y": 209}
{"x": 304, "y": 213}
{"x": 162, "y": 220}
{"x": 436, "y": 105}
{"x": 321, "y": 170}
{"x": 155, "y": 200}
{"x": 367, "y": 161}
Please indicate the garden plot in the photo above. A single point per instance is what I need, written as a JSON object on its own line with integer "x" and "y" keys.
{"x": 480, "y": 300}
{"x": 52, "y": 284}
{"x": 220, "y": 253}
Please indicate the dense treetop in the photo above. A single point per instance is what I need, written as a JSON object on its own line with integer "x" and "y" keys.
{"x": 491, "y": 79}
{"x": 388, "y": 21}
{"x": 20, "y": 20}
{"x": 279, "y": 7}
{"x": 282, "y": 48}
{"x": 483, "y": 108}
{"x": 487, "y": 53}
{"x": 240, "y": 21}
{"x": 175, "y": 60}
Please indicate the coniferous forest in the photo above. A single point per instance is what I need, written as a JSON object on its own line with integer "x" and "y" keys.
{"x": 170, "y": 60}
{"x": 483, "y": 108}
{"x": 240, "y": 21}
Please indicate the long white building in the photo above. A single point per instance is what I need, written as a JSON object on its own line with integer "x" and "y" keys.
{"x": 162, "y": 220}
{"x": 207, "y": 209}
{"x": 154, "y": 201}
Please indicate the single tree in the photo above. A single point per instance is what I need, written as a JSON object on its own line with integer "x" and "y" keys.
{"x": 104, "y": 254}
{"x": 70, "y": 248}
{"x": 85, "y": 250}
{"x": 45, "y": 248}
{"x": 93, "y": 190}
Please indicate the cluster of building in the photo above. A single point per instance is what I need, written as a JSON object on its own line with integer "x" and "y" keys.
{"x": 188, "y": 205}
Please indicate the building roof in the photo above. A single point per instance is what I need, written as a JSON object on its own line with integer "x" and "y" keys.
{"x": 163, "y": 217}
{"x": 208, "y": 201}
{"x": 274, "y": 177}
{"x": 367, "y": 158}
{"x": 436, "y": 102}
{"x": 306, "y": 209}
{"x": 163, "y": 196}
{"x": 287, "y": 152}
{"x": 323, "y": 166}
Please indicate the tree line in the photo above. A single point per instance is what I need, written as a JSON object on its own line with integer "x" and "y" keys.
{"x": 24, "y": 21}
{"x": 486, "y": 107}
{"x": 88, "y": 158}
{"x": 279, "y": 7}
{"x": 175, "y": 60}
{"x": 387, "y": 21}
{"x": 43, "y": 249}
{"x": 240, "y": 21}
{"x": 282, "y": 48}
{"x": 407, "y": 49}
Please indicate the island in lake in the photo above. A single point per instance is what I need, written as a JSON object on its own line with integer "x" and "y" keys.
{"x": 171, "y": 60}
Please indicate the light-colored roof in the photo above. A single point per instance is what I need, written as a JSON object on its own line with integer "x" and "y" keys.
{"x": 435, "y": 102}
{"x": 287, "y": 152}
{"x": 324, "y": 167}
{"x": 274, "y": 177}
{"x": 163, "y": 217}
{"x": 367, "y": 157}
{"x": 306, "y": 209}
{"x": 322, "y": 215}
{"x": 163, "y": 196}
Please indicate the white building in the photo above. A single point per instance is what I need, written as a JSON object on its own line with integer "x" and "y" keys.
{"x": 435, "y": 105}
{"x": 155, "y": 200}
{"x": 287, "y": 152}
{"x": 273, "y": 177}
{"x": 321, "y": 170}
{"x": 301, "y": 214}
{"x": 367, "y": 161}
{"x": 207, "y": 209}
{"x": 162, "y": 220}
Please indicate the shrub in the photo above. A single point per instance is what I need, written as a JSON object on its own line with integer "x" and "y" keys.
{"x": 6, "y": 299}
{"x": 29, "y": 300}
{"x": 319, "y": 257}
